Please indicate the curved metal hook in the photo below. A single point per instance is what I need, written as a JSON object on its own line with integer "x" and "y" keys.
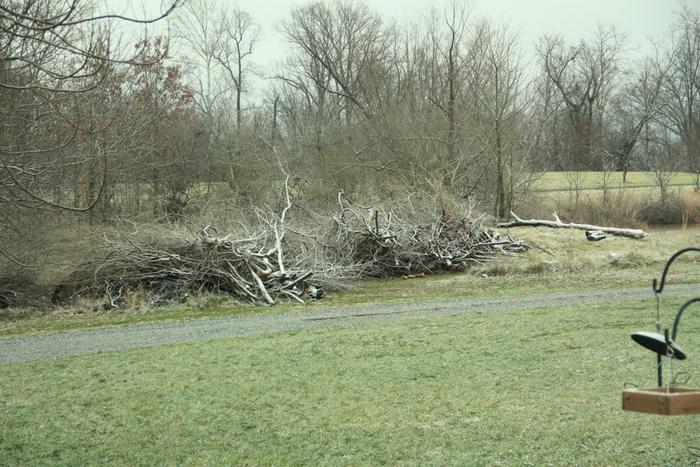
{"x": 668, "y": 265}
{"x": 679, "y": 314}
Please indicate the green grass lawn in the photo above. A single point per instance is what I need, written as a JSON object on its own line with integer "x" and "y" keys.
{"x": 539, "y": 387}
{"x": 554, "y": 181}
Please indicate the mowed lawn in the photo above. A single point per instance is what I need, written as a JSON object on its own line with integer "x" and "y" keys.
{"x": 556, "y": 181}
{"x": 540, "y": 387}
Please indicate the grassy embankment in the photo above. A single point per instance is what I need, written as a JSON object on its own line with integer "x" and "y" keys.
{"x": 536, "y": 387}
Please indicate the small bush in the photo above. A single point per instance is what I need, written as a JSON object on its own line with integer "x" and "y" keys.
{"x": 137, "y": 300}
{"x": 539, "y": 267}
{"x": 503, "y": 268}
{"x": 673, "y": 209}
{"x": 691, "y": 202}
{"x": 497, "y": 268}
{"x": 81, "y": 306}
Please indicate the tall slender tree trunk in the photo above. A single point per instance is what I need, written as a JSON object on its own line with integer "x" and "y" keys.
{"x": 451, "y": 129}
{"x": 499, "y": 209}
{"x": 273, "y": 131}
{"x": 239, "y": 87}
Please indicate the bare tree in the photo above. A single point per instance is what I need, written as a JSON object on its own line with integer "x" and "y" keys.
{"x": 218, "y": 42}
{"x": 52, "y": 54}
{"x": 662, "y": 154}
{"x": 238, "y": 35}
{"x": 337, "y": 77}
{"x": 197, "y": 30}
{"x": 681, "y": 91}
{"x": 497, "y": 84}
{"x": 637, "y": 103}
{"x": 585, "y": 76}
{"x": 345, "y": 39}
{"x": 456, "y": 17}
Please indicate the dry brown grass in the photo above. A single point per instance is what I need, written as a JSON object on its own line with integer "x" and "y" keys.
{"x": 619, "y": 208}
{"x": 568, "y": 251}
{"x": 676, "y": 208}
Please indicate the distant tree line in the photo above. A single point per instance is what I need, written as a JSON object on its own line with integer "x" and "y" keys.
{"x": 444, "y": 108}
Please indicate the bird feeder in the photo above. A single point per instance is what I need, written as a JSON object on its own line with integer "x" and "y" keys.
{"x": 668, "y": 399}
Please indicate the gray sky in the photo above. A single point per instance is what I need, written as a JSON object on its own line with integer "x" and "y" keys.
{"x": 574, "y": 19}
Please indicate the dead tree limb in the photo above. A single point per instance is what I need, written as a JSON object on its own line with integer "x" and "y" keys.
{"x": 558, "y": 224}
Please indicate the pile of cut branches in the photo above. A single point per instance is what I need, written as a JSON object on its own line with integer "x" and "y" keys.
{"x": 251, "y": 269}
{"x": 170, "y": 273}
{"x": 268, "y": 265}
{"x": 387, "y": 244}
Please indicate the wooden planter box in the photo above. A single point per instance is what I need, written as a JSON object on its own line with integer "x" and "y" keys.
{"x": 680, "y": 401}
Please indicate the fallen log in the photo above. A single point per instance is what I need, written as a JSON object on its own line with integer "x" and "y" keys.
{"x": 557, "y": 224}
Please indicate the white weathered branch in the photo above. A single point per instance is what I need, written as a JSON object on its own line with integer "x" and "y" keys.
{"x": 557, "y": 224}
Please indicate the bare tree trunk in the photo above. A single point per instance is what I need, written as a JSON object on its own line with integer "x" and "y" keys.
{"x": 557, "y": 223}
{"x": 239, "y": 87}
{"x": 499, "y": 212}
{"x": 451, "y": 131}
{"x": 273, "y": 131}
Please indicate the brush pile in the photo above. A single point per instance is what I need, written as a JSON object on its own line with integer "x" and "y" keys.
{"x": 170, "y": 273}
{"x": 269, "y": 265}
{"x": 251, "y": 269}
{"x": 386, "y": 244}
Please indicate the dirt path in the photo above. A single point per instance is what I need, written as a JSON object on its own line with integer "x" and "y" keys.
{"x": 73, "y": 343}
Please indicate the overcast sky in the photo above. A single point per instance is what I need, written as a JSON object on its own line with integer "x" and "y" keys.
{"x": 574, "y": 19}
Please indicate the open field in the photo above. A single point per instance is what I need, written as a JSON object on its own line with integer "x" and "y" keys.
{"x": 582, "y": 197}
{"x": 556, "y": 181}
{"x": 536, "y": 387}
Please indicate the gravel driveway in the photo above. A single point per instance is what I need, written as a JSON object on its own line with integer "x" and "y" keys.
{"x": 114, "y": 338}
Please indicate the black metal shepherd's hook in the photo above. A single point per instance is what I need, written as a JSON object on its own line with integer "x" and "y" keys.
{"x": 662, "y": 345}
{"x": 660, "y": 288}
{"x": 679, "y": 314}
